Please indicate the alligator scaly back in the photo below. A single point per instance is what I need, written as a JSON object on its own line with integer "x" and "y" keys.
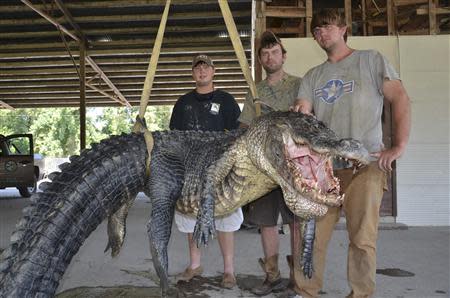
{"x": 91, "y": 187}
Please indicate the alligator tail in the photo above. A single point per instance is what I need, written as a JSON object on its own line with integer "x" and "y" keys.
{"x": 91, "y": 187}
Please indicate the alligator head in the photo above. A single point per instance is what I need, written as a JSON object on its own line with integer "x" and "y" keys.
{"x": 296, "y": 151}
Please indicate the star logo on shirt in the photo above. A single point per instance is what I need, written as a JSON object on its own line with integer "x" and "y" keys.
{"x": 333, "y": 90}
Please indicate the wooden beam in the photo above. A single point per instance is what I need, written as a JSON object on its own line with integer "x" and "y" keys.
{"x": 286, "y": 30}
{"x": 439, "y": 10}
{"x": 409, "y": 2}
{"x": 260, "y": 27}
{"x": 4, "y": 105}
{"x": 48, "y": 18}
{"x": 364, "y": 17}
{"x": 309, "y": 14}
{"x": 348, "y": 16}
{"x": 285, "y": 12}
{"x": 82, "y": 95}
{"x": 434, "y": 28}
{"x": 70, "y": 20}
{"x": 390, "y": 17}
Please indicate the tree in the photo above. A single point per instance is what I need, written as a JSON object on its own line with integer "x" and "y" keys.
{"x": 56, "y": 130}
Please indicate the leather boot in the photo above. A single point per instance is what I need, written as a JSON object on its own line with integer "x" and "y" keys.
{"x": 273, "y": 281}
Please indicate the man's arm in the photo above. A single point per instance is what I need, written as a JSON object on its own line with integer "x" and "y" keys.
{"x": 395, "y": 93}
{"x": 302, "y": 105}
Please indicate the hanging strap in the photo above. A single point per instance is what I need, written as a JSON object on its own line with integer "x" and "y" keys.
{"x": 139, "y": 125}
{"x": 239, "y": 49}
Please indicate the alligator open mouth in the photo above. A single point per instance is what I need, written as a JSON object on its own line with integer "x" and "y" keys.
{"x": 312, "y": 173}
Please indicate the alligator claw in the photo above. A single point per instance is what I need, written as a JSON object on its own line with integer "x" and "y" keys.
{"x": 308, "y": 269}
{"x": 202, "y": 232}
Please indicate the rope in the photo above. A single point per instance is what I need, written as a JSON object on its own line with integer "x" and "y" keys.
{"x": 239, "y": 49}
{"x": 140, "y": 125}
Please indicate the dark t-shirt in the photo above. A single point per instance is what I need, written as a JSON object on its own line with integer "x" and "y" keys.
{"x": 214, "y": 111}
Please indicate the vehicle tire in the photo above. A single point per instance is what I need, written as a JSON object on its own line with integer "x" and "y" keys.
{"x": 26, "y": 192}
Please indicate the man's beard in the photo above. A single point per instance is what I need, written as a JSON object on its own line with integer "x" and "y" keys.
{"x": 271, "y": 70}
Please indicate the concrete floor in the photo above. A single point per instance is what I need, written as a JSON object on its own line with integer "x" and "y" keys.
{"x": 422, "y": 251}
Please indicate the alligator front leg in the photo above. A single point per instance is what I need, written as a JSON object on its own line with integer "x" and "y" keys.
{"x": 308, "y": 228}
{"x": 205, "y": 226}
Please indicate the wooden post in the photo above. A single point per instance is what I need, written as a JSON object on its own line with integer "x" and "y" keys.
{"x": 348, "y": 16}
{"x": 309, "y": 14}
{"x": 432, "y": 17}
{"x": 260, "y": 27}
{"x": 364, "y": 17}
{"x": 390, "y": 17}
{"x": 82, "y": 95}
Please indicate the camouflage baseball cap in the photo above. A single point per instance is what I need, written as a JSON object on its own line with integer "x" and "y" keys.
{"x": 202, "y": 58}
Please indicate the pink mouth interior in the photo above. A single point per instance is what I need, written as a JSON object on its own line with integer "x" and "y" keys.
{"x": 315, "y": 169}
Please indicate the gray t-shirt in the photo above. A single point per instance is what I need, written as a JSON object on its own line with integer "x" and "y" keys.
{"x": 279, "y": 97}
{"x": 347, "y": 96}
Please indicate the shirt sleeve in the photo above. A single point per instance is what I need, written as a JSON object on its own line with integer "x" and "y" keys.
{"x": 383, "y": 70}
{"x": 305, "y": 90}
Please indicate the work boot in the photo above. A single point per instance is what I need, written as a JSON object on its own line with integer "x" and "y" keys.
{"x": 228, "y": 281}
{"x": 273, "y": 281}
{"x": 189, "y": 274}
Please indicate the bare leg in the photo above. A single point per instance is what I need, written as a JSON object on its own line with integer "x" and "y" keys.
{"x": 226, "y": 242}
{"x": 194, "y": 253}
{"x": 270, "y": 240}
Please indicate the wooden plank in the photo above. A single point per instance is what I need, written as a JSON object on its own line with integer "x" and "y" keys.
{"x": 434, "y": 28}
{"x": 348, "y": 16}
{"x": 260, "y": 27}
{"x": 390, "y": 18}
{"x": 82, "y": 95}
{"x": 309, "y": 14}
{"x": 4, "y": 105}
{"x": 287, "y": 30}
{"x": 364, "y": 17}
{"x": 285, "y": 12}
{"x": 439, "y": 10}
{"x": 409, "y": 2}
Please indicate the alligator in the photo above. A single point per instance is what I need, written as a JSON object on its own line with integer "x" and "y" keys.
{"x": 203, "y": 174}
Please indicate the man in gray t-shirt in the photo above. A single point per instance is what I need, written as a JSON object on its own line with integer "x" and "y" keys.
{"x": 347, "y": 93}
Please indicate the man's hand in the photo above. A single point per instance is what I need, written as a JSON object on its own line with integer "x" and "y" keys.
{"x": 301, "y": 106}
{"x": 386, "y": 157}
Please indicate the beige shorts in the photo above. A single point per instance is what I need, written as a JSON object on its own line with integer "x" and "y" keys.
{"x": 230, "y": 223}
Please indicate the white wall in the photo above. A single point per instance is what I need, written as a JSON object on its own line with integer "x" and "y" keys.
{"x": 423, "y": 194}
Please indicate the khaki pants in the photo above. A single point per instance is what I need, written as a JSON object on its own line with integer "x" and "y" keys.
{"x": 363, "y": 194}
